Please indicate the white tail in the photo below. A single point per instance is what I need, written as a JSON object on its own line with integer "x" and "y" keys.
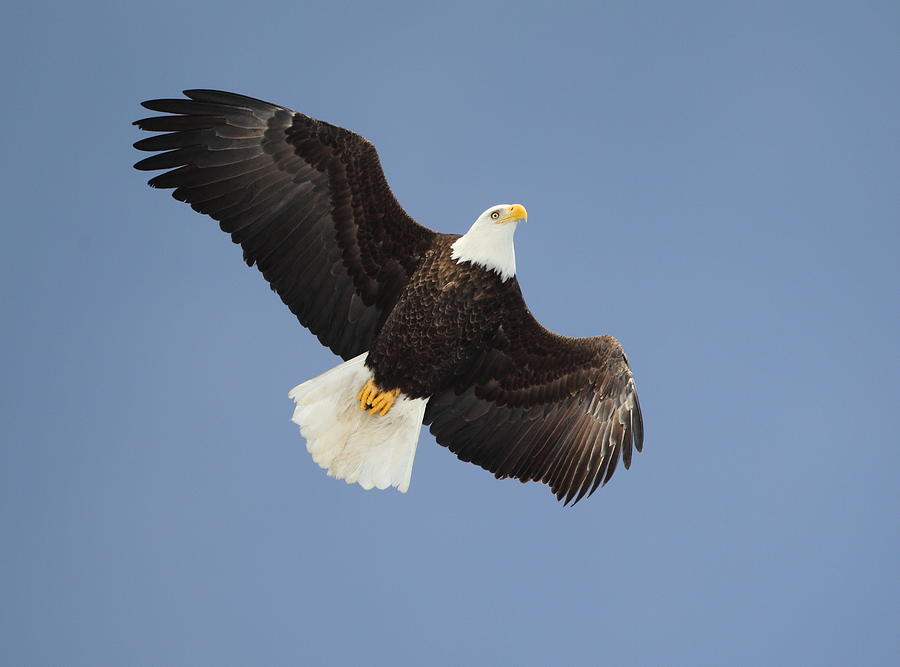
{"x": 370, "y": 450}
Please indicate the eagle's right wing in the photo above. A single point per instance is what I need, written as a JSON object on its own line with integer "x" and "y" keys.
{"x": 307, "y": 201}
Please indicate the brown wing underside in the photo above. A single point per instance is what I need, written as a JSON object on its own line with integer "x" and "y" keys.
{"x": 542, "y": 407}
{"x": 307, "y": 201}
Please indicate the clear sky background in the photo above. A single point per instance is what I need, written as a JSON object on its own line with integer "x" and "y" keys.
{"x": 714, "y": 183}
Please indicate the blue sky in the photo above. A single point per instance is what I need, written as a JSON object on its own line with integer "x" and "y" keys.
{"x": 713, "y": 183}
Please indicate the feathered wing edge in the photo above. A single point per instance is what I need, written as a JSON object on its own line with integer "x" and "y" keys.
{"x": 307, "y": 201}
{"x": 542, "y": 407}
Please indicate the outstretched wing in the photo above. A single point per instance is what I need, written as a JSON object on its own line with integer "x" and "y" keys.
{"x": 306, "y": 200}
{"x": 542, "y": 407}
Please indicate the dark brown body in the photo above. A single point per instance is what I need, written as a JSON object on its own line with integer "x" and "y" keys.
{"x": 445, "y": 317}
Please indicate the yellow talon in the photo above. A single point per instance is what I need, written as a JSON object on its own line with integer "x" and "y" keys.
{"x": 367, "y": 393}
{"x": 376, "y": 401}
{"x": 361, "y": 395}
{"x": 384, "y": 401}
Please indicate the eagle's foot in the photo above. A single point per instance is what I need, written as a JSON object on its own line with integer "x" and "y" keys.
{"x": 373, "y": 400}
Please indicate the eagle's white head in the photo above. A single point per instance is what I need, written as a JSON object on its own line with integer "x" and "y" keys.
{"x": 489, "y": 241}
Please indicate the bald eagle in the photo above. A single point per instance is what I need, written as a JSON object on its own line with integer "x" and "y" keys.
{"x": 432, "y": 327}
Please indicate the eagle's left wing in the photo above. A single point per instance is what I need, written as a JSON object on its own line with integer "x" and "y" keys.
{"x": 542, "y": 407}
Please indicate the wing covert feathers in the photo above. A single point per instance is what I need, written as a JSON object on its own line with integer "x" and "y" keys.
{"x": 542, "y": 407}
{"x": 307, "y": 201}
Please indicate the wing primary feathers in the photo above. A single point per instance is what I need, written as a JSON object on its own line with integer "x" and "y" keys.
{"x": 627, "y": 449}
{"x": 229, "y": 99}
{"x": 176, "y": 123}
{"x": 579, "y": 468}
{"x": 593, "y": 460}
{"x": 575, "y": 402}
{"x": 307, "y": 200}
{"x": 637, "y": 421}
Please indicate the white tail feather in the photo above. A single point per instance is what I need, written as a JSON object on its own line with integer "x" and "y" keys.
{"x": 369, "y": 450}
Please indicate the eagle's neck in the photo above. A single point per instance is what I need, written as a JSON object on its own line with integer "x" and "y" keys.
{"x": 489, "y": 245}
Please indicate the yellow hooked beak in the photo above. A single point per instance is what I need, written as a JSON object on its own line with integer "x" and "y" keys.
{"x": 516, "y": 212}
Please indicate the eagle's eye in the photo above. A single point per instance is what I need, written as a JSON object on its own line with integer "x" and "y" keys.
{"x": 495, "y": 215}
